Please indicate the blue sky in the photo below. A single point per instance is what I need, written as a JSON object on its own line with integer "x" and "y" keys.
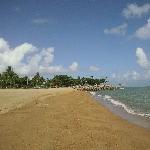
{"x": 88, "y": 37}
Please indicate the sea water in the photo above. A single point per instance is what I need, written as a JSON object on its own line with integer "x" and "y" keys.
{"x": 131, "y": 103}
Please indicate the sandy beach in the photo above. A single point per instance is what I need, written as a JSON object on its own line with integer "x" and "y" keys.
{"x": 63, "y": 119}
{"x": 12, "y": 98}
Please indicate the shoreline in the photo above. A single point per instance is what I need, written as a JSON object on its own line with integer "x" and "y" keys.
{"x": 133, "y": 118}
{"x": 70, "y": 120}
{"x": 141, "y": 121}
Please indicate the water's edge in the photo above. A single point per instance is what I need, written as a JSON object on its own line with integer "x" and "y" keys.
{"x": 123, "y": 111}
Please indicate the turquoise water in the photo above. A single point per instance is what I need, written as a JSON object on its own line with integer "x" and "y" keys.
{"x": 134, "y": 100}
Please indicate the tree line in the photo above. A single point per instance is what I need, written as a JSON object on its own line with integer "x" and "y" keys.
{"x": 10, "y": 79}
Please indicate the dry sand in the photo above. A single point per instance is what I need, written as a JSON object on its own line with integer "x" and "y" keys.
{"x": 15, "y": 98}
{"x": 67, "y": 120}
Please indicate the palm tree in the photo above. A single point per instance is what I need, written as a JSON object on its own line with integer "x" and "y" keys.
{"x": 37, "y": 81}
{"x": 9, "y": 78}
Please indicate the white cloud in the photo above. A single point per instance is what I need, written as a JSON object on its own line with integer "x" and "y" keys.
{"x": 133, "y": 10}
{"x": 14, "y": 57}
{"x": 52, "y": 69}
{"x": 119, "y": 30}
{"x": 3, "y": 45}
{"x": 40, "y": 21}
{"x": 127, "y": 76}
{"x": 147, "y": 74}
{"x": 144, "y": 63}
{"x": 27, "y": 59}
{"x": 131, "y": 75}
{"x": 142, "y": 59}
{"x": 143, "y": 32}
{"x": 73, "y": 67}
{"x": 94, "y": 68}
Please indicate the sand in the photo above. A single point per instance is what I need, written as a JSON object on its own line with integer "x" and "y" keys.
{"x": 68, "y": 120}
{"x": 15, "y": 98}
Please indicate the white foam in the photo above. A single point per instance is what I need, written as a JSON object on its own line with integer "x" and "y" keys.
{"x": 126, "y": 108}
{"x": 107, "y": 97}
{"x": 93, "y": 93}
{"x": 99, "y": 95}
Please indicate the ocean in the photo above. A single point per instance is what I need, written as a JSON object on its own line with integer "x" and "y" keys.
{"x": 131, "y": 103}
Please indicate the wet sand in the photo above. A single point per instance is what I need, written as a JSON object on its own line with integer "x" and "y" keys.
{"x": 120, "y": 111}
{"x": 68, "y": 120}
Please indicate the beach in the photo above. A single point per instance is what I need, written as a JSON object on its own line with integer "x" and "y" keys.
{"x": 64, "y": 119}
{"x": 15, "y": 98}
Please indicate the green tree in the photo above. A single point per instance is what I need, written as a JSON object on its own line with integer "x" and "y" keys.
{"x": 9, "y": 78}
{"x": 62, "y": 81}
{"x": 37, "y": 81}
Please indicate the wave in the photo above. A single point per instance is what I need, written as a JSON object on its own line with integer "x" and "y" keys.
{"x": 122, "y": 105}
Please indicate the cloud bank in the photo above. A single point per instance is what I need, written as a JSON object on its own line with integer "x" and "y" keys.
{"x": 133, "y": 10}
{"x": 144, "y": 64}
{"x": 26, "y": 59}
